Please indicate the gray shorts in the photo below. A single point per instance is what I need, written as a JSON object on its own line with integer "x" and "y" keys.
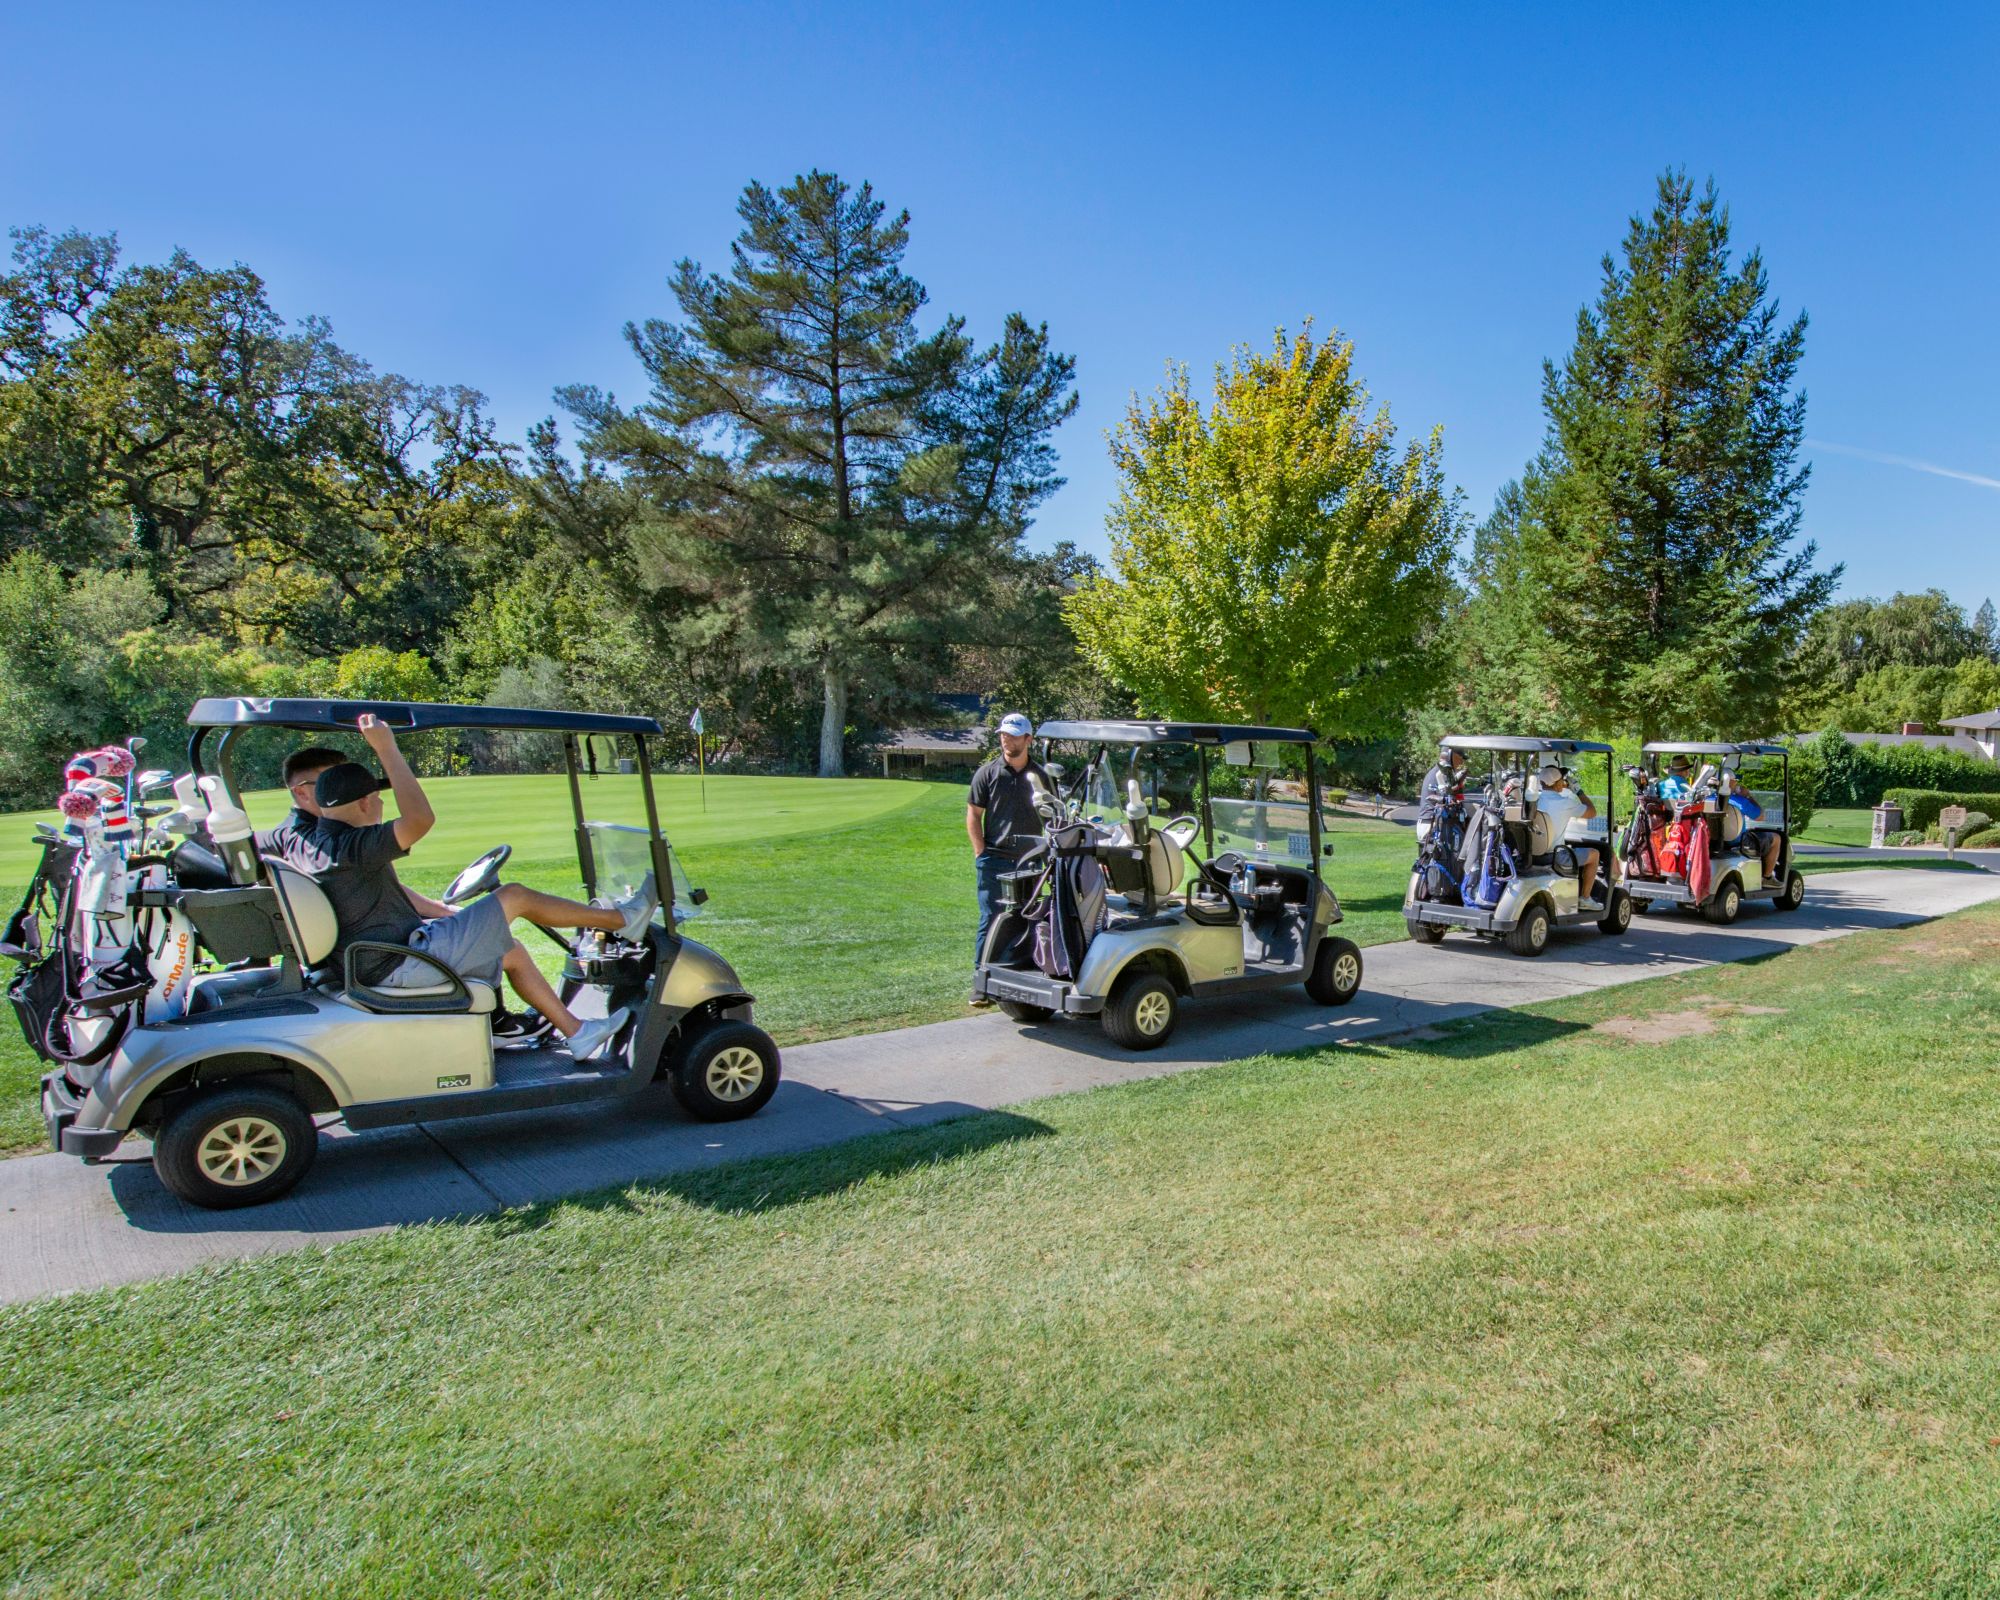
{"x": 472, "y": 942}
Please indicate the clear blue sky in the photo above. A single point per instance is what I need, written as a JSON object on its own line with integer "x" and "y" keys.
{"x": 485, "y": 194}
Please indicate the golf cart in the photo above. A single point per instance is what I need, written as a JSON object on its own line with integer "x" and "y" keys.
{"x": 1706, "y": 849}
{"x": 263, "y": 1032}
{"x": 1493, "y": 864}
{"x": 1151, "y": 886}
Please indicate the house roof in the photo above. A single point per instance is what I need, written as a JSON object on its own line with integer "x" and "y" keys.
{"x": 935, "y": 741}
{"x": 1980, "y": 721}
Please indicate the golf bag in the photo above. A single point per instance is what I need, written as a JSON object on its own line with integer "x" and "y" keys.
{"x": 1440, "y": 848}
{"x": 1488, "y": 860}
{"x": 1073, "y": 910}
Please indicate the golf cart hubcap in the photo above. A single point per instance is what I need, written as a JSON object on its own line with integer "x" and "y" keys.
{"x": 1538, "y": 932}
{"x": 241, "y": 1150}
{"x": 1152, "y": 1012}
{"x": 735, "y": 1073}
{"x": 1346, "y": 972}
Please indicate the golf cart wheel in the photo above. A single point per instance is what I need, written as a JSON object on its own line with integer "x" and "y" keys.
{"x": 725, "y": 1072}
{"x": 1142, "y": 1012}
{"x": 236, "y": 1146}
{"x": 1336, "y": 975}
{"x": 1617, "y": 915}
{"x": 1530, "y": 936}
{"x": 1726, "y": 902}
{"x": 1793, "y": 895}
{"x": 1425, "y": 932}
{"x": 1022, "y": 1011}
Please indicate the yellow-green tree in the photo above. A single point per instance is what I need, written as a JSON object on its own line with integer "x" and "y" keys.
{"x": 1275, "y": 559}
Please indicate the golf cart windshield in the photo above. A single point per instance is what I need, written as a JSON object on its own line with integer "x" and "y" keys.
{"x": 621, "y": 857}
{"x": 1259, "y": 806}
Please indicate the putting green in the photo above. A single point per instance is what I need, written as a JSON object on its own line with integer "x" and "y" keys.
{"x": 532, "y": 814}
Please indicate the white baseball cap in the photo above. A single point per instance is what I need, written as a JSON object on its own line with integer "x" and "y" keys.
{"x": 1015, "y": 722}
{"x": 1551, "y": 774}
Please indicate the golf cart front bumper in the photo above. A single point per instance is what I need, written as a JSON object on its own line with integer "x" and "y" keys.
{"x": 1031, "y": 988}
{"x": 60, "y": 1105}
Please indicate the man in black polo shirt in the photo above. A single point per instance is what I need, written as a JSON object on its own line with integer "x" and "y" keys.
{"x": 1000, "y": 820}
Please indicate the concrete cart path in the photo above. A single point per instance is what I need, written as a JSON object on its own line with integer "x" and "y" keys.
{"x": 66, "y": 1226}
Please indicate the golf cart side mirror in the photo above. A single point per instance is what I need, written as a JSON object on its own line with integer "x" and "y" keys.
{"x": 1327, "y": 851}
{"x": 698, "y": 897}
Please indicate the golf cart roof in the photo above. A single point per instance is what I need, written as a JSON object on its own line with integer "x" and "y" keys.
{"x": 1691, "y": 747}
{"x": 1523, "y": 744}
{"x": 405, "y": 716}
{"x": 1172, "y": 733}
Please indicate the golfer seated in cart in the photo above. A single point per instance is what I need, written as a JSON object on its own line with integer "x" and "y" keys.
{"x": 350, "y": 852}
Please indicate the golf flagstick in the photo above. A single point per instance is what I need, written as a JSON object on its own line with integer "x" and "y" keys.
{"x": 700, "y": 756}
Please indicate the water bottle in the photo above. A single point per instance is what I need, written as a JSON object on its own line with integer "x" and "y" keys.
{"x": 229, "y": 827}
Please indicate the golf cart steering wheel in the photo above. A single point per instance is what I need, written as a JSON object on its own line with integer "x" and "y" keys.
{"x": 482, "y": 877}
{"x": 1193, "y": 830}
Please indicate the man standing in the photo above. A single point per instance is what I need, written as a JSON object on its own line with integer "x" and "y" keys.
{"x": 1440, "y": 788}
{"x": 1000, "y": 821}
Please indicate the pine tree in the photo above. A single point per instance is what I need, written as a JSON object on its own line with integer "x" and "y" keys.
{"x": 840, "y": 488}
{"x": 1986, "y": 630}
{"x": 1670, "y": 580}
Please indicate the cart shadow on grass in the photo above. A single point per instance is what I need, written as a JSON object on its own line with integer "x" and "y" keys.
{"x": 480, "y": 1170}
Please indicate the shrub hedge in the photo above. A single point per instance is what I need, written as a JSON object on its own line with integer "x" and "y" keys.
{"x": 1862, "y": 774}
{"x": 1921, "y": 806}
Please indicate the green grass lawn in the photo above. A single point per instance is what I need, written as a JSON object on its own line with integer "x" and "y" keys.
{"x": 845, "y": 904}
{"x": 1840, "y": 825}
{"x": 1682, "y": 1289}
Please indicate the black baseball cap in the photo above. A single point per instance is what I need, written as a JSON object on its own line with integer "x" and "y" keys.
{"x": 345, "y": 784}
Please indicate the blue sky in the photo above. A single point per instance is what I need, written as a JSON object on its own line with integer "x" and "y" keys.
{"x": 485, "y": 194}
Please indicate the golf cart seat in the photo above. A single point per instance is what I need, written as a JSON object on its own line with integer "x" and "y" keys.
{"x": 1164, "y": 867}
{"x": 312, "y": 930}
{"x": 1729, "y": 826}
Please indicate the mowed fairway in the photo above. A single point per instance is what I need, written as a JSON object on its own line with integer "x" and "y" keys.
{"x": 1685, "y": 1289}
{"x": 846, "y": 905}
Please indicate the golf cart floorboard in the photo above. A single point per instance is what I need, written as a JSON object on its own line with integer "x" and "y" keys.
{"x": 530, "y": 1081}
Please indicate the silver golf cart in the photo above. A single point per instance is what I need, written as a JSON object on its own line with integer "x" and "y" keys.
{"x": 1176, "y": 864}
{"x": 1735, "y": 854}
{"x": 274, "y": 1033}
{"x": 1493, "y": 864}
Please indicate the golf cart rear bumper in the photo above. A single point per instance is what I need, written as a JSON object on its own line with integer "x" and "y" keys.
{"x": 1450, "y": 916}
{"x": 60, "y": 1105}
{"x": 1034, "y": 989}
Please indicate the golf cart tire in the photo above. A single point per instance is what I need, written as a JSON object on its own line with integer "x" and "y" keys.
{"x": 1793, "y": 895}
{"x": 708, "y": 1076}
{"x": 1724, "y": 904}
{"x": 273, "y": 1130}
{"x": 1425, "y": 932}
{"x": 1530, "y": 936}
{"x": 1617, "y": 914}
{"x": 1336, "y": 975}
{"x": 1142, "y": 1011}
{"x": 1025, "y": 1011}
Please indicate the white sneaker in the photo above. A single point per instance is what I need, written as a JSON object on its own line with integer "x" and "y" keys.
{"x": 595, "y": 1034}
{"x": 638, "y": 909}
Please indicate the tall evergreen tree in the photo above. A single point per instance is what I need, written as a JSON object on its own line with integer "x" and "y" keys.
{"x": 1662, "y": 537}
{"x": 1986, "y": 631}
{"x": 818, "y": 475}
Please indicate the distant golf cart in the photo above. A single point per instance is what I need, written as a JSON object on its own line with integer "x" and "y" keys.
{"x": 227, "y": 1071}
{"x": 1665, "y": 836}
{"x": 1495, "y": 867}
{"x": 1151, "y": 887}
